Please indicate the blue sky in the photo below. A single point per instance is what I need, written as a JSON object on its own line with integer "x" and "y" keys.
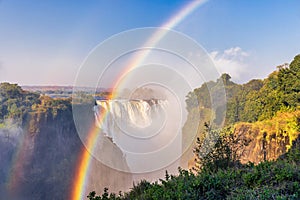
{"x": 44, "y": 42}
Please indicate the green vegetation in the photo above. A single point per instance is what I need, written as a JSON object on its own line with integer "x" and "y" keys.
{"x": 220, "y": 180}
{"x": 267, "y": 107}
{"x": 256, "y": 100}
{"x": 218, "y": 149}
{"x": 263, "y": 117}
{"x": 15, "y": 103}
{"x": 39, "y": 134}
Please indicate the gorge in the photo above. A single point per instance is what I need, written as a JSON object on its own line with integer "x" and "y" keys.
{"x": 41, "y": 146}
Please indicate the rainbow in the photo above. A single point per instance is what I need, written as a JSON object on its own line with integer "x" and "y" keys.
{"x": 18, "y": 161}
{"x": 82, "y": 170}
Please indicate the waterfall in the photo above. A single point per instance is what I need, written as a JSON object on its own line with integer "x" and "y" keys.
{"x": 129, "y": 116}
{"x": 146, "y": 131}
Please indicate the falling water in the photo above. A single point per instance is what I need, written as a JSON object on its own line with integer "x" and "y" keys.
{"x": 144, "y": 130}
{"x": 139, "y": 118}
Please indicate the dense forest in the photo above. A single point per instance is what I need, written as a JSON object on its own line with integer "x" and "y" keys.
{"x": 256, "y": 155}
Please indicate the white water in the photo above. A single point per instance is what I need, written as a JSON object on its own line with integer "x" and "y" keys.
{"x": 143, "y": 129}
{"x": 137, "y": 118}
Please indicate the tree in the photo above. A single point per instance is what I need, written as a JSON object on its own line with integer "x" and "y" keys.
{"x": 289, "y": 80}
{"x": 218, "y": 149}
{"x": 225, "y": 78}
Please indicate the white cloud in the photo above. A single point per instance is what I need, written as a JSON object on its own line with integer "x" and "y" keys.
{"x": 231, "y": 61}
{"x": 235, "y": 52}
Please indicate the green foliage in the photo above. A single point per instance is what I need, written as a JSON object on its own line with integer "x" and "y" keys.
{"x": 289, "y": 79}
{"x": 271, "y": 105}
{"x": 104, "y": 196}
{"x": 53, "y": 106}
{"x": 50, "y": 155}
{"x": 284, "y": 125}
{"x": 255, "y": 100}
{"x": 268, "y": 180}
{"x": 81, "y": 97}
{"x": 218, "y": 149}
{"x": 15, "y": 103}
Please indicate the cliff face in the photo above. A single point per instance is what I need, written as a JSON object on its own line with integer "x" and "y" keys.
{"x": 55, "y": 147}
{"x": 48, "y": 155}
{"x": 100, "y": 175}
{"x": 269, "y": 138}
{"x": 263, "y": 145}
{"x": 270, "y": 106}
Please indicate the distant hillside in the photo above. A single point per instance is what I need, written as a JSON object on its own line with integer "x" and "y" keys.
{"x": 63, "y": 92}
